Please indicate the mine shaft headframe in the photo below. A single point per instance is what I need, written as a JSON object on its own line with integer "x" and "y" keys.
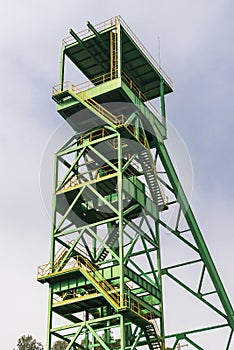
{"x": 109, "y": 201}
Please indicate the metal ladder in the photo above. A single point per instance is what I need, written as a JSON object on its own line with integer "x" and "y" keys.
{"x": 113, "y": 55}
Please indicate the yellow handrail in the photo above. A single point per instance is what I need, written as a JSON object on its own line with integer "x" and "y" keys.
{"x": 84, "y": 86}
{"x": 88, "y": 84}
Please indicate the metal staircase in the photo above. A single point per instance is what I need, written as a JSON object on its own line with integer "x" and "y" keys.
{"x": 110, "y": 241}
{"x": 150, "y": 173}
{"x": 152, "y": 336}
{"x": 85, "y": 99}
{"x": 98, "y": 281}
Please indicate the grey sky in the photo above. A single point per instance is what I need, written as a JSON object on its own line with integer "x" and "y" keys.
{"x": 197, "y": 53}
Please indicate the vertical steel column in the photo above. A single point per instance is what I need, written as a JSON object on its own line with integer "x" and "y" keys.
{"x": 62, "y": 68}
{"x": 120, "y": 215}
{"x": 52, "y": 252}
{"x": 159, "y": 267}
{"x": 162, "y": 99}
{"x": 49, "y": 319}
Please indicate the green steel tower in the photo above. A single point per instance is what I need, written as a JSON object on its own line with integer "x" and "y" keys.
{"x": 115, "y": 188}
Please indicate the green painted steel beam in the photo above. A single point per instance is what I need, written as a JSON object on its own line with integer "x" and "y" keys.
{"x": 137, "y": 194}
{"x": 99, "y": 37}
{"x": 142, "y": 282}
{"x": 162, "y": 98}
{"x": 76, "y": 37}
{"x": 62, "y": 68}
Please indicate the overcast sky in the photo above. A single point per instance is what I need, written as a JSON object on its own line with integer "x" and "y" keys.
{"x": 197, "y": 52}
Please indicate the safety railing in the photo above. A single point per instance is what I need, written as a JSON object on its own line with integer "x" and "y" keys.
{"x": 87, "y": 176}
{"x": 67, "y": 85}
{"x": 137, "y": 134}
{"x": 94, "y": 174}
{"x": 98, "y": 135}
{"x": 145, "y": 51}
{"x": 113, "y": 22}
{"x": 119, "y": 119}
{"x": 81, "y": 91}
{"x": 45, "y": 269}
{"x": 73, "y": 294}
{"x": 88, "y": 267}
{"x": 84, "y": 86}
{"x": 138, "y": 308}
{"x": 97, "y": 173}
{"x": 101, "y": 133}
{"x": 93, "y": 135}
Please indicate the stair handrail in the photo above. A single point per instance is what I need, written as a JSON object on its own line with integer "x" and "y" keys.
{"x": 155, "y": 325}
{"x": 102, "y": 282}
{"x": 75, "y": 180}
{"x": 99, "y": 108}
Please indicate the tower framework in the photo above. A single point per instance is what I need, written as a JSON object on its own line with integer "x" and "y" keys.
{"x": 115, "y": 187}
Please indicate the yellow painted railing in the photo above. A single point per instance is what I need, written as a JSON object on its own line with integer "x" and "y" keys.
{"x": 84, "y": 86}
{"x": 67, "y": 85}
{"x": 117, "y": 120}
{"x": 44, "y": 269}
{"x": 94, "y": 174}
{"x": 73, "y": 294}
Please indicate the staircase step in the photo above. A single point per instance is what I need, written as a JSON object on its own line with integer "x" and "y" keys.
{"x": 152, "y": 336}
{"x": 112, "y": 238}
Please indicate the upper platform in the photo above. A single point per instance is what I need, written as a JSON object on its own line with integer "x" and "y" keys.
{"x": 95, "y": 53}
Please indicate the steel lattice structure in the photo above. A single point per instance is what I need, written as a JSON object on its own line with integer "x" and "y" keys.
{"x": 114, "y": 189}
